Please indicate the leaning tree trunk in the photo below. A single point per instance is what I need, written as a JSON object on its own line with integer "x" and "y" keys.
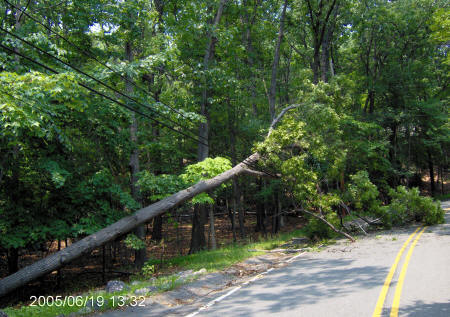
{"x": 123, "y": 226}
{"x": 126, "y": 224}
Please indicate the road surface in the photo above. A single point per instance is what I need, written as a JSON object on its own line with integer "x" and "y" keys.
{"x": 403, "y": 272}
{"x": 347, "y": 280}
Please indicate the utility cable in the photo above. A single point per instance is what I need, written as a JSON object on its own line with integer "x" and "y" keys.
{"x": 93, "y": 57}
{"x": 101, "y": 94}
{"x": 85, "y": 74}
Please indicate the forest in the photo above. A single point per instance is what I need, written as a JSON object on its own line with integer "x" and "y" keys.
{"x": 119, "y": 117}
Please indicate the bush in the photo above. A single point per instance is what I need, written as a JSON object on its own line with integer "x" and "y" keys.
{"x": 363, "y": 194}
{"x": 317, "y": 229}
{"x": 408, "y": 206}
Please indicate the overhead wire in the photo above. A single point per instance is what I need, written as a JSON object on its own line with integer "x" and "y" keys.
{"x": 85, "y": 74}
{"x": 93, "y": 57}
{"x": 100, "y": 93}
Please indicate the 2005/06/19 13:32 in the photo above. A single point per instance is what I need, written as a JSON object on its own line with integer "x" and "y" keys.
{"x": 82, "y": 301}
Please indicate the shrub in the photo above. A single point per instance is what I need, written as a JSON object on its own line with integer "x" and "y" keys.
{"x": 317, "y": 229}
{"x": 407, "y": 206}
{"x": 363, "y": 194}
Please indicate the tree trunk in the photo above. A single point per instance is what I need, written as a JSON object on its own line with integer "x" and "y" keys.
{"x": 320, "y": 26}
{"x": 276, "y": 61}
{"x": 240, "y": 207}
{"x": 232, "y": 220}
{"x": 157, "y": 228}
{"x": 431, "y": 168}
{"x": 13, "y": 260}
{"x": 212, "y": 230}
{"x": 325, "y": 56}
{"x": 260, "y": 213}
{"x": 316, "y": 63}
{"x": 198, "y": 241}
{"x": 250, "y": 52}
{"x": 141, "y": 254}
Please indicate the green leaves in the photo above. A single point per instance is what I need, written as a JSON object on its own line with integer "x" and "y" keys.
{"x": 206, "y": 169}
{"x": 58, "y": 174}
{"x": 157, "y": 187}
{"x": 363, "y": 194}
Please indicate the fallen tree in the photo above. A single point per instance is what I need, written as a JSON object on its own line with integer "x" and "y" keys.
{"x": 124, "y": 225}
{"x": 127, "y": 224}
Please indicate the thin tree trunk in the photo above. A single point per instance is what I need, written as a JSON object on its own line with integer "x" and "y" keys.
{"x": 250, "y": 51}
{"x": 13, "y": 260}
{"x": 141, "y": 254}
{"x": 241, "y": 214}
{"x": 157, "y": 228}
{"x": 232, "y": 219}
{"x": 212, "y": 230}
{"x": 260, "y": 214}
{"x": 431, "y": 169}
{"x": 198, "y": 241}
{"x": 276, "y": 61}
{"x": 316, "y": 63}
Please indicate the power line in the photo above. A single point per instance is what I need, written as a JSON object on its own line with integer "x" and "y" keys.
{"x": 86, "y": 74}
{"x": 92, "y": 56}
{"x": 100, "y": 94}
{"x": 25, "y": 102}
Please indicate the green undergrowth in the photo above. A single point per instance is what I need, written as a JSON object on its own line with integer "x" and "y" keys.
{"x": 212, "y": 260}
{"x": 443, "y": 197}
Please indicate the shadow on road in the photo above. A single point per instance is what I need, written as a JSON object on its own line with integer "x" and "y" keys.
{"x": 285, "y": 290}
{"x": 421, "y": 309}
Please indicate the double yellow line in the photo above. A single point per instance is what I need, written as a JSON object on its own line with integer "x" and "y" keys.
{"x": 387, "y": 282}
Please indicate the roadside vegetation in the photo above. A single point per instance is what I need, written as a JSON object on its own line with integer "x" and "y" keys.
{"x": 162, "y": 276}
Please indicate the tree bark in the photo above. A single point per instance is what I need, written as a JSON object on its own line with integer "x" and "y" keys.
{"x": 212, "y": 229}
{"x": 276, "y": 61}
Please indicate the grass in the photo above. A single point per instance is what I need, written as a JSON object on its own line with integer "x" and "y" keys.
{"x": 213, "y": 260}
{"x": 443, "y": 197}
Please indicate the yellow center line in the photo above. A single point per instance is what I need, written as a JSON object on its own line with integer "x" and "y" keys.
{"x": 387, "y": 281}
{"x": 401, "y": 279}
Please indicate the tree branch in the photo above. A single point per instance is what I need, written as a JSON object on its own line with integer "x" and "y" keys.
{"x": 281, "y": 115}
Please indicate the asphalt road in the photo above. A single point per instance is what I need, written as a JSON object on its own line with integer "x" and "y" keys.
{"x": 347, "y": 279}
